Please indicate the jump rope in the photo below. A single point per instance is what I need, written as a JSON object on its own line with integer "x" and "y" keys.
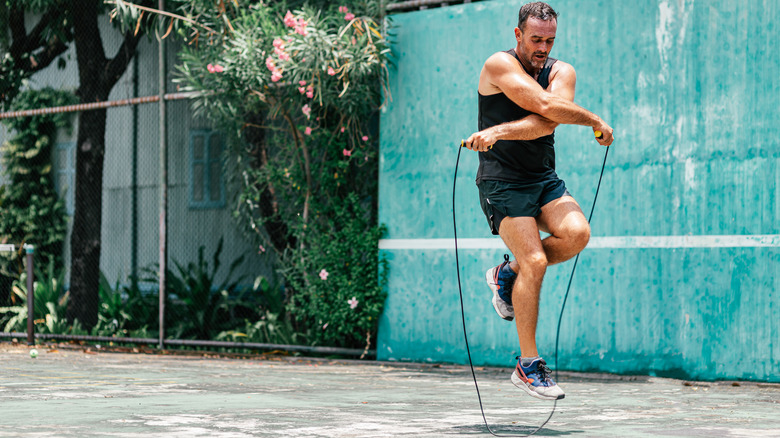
{"x": 563, "y": 305}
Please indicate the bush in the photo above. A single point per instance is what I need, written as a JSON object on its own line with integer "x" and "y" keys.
{"x": 196, "y": 306}
{"x": 271, "y": 325}
{"x": 125, "y": 311}
{"x": 339, "y": 280}
{"x": 48, "y": 309}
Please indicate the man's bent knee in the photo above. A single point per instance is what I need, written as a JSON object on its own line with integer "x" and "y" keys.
{"x": 534, "y": 264}
{"x": 580, "y": 236}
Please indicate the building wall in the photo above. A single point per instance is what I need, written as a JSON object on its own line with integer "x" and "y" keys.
{"x": 681, "y": 275}
{"x": 188, "y": 228}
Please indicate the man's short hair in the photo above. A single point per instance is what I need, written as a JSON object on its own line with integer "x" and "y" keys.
{"x": 540, "y": 10}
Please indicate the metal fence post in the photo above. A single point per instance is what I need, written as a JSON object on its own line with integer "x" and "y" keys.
{"x": 163, "y": 208}
{"x": 30, "y": 250}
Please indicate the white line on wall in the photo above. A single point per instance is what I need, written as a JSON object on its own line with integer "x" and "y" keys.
{"x": 723, "y": 241}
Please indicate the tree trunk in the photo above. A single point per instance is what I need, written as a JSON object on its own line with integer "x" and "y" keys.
{"x": 87, "y": 219}
{"x": 276, "y": 228}
{"x": 97, "y": 76}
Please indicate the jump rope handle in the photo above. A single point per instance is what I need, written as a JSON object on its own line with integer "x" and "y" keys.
{"x": 463, "y": 144}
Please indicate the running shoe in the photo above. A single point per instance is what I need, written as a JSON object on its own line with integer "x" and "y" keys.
{"x": 501, "y": 285}
{"x": 536, "y": 381}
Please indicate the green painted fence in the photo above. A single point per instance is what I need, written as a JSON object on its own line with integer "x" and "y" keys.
{"x": 681, "y": 276}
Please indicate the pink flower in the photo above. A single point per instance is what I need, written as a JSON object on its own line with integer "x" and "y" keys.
{"x": 276, "y": 75}
{"x": 323, "y": 275}
{"x": 343, "y": 129}
{"x": 216, "y": 68}
{"x": 261, "y": 249}
{"x": 365, "y": 138}
{"x": 301, "y": 90}
{"x": 302, "y": 83}
{"x": 343, "y": 9}
{"x": 346, "y": 152}
{"x": 300, "y": 27}
{"x": 324, "y": 326}
{"x": 279, "y": 51}
{"x": 331, "y": 71}
{"x": 310, "y": 91}
{"x": 269, "y": 63}
{"x": 352, "y": 303}
{"x": 307, "y": 131}
{"x": 349, "y": 16}
{"x": 278, "y": 43}
{"x": 289, "y": 20}
{"x": 306, "y": 110}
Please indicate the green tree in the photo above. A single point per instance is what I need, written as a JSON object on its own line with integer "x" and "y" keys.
{"x": 23, "y": 53}
{"x": 297, "y": 87}
{"x": 58, "y": 25}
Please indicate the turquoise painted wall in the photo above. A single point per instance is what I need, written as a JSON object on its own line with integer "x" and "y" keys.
{"x": 692, "y": 91}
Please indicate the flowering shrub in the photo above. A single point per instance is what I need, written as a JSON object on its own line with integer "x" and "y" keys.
{"x": 298, "y": 93}
{"x": 339, "y": 278}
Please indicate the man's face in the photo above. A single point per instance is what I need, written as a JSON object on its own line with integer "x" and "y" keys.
{"x": 536, "y": 40}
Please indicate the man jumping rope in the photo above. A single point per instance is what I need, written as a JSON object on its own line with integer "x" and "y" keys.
{"x": 523, "y": 95}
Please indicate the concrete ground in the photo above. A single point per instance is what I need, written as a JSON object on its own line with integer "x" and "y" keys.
{"x": 82, "y": 393}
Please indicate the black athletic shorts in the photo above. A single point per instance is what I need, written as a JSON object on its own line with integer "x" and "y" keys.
{"x": 500, "y": 199}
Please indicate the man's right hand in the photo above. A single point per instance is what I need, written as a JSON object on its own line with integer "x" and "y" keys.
{"x": 606, "y": 138}
{"x": 481, "y": 141}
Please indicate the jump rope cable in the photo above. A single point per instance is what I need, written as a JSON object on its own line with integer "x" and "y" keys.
{"x": 560, "y": 316}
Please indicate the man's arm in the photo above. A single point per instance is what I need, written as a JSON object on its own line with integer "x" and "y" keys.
{"x": 528, "y": 128}
{"x": 502, "y": 73}
{"x": 562, "y": 83}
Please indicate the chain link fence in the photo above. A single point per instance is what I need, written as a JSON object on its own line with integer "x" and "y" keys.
{"x": 153, "y": 223}
{"x": 220, "y": 289}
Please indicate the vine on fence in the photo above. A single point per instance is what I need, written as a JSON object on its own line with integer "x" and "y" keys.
{"x": 32, "y": 211}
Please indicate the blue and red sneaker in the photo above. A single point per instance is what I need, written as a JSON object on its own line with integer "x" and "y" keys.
{"x": 500, "y": 280}
{"x": 536, "y": 381}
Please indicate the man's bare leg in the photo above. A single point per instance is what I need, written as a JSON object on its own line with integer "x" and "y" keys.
{"x": 521, "y": 236}
{"x": 568, "y": 228}
{"x": 569, "y": 234}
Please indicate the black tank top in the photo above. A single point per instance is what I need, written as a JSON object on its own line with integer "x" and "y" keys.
{"x": 514, "y": 160}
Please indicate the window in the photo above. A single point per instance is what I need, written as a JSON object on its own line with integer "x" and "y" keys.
{"x": 207, "y": 188}
{"x": 65, "y": 173}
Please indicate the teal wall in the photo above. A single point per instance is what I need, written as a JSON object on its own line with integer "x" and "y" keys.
{"x": 681, "y": 276}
